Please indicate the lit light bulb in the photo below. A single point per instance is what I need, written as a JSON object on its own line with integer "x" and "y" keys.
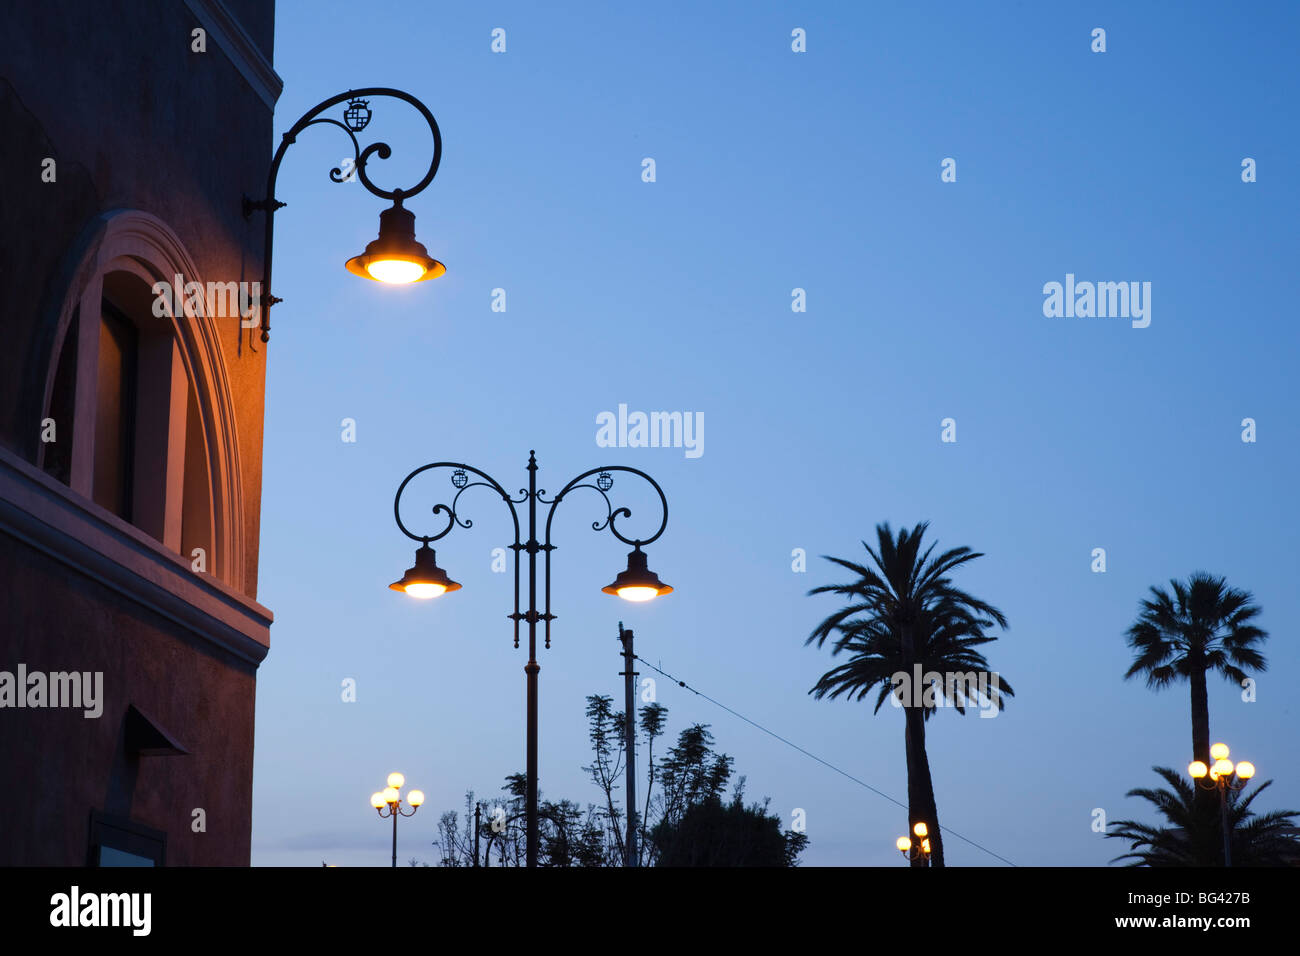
{"x": 395, "y": 270}
{"x": 396, "y": 780}
{"x": 1219, "y": 751}
{"x": 1197, "y": 769}
{"x": 425, "y": 590}
{"x": 921, "y": 830}
{"x": 415, "y": 798}
{"x": 377, "y": 800}
{"x": 903, "y": 844}
{"x": 391, "y": 795}
{"x": 638, "y": 593}
{"x": 1245, "y": 770}
{"x": 1223, "y": 768}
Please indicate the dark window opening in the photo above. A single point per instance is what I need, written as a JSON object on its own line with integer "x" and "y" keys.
{"x": 117, "y": 841}
{"x": 116, "y": 404}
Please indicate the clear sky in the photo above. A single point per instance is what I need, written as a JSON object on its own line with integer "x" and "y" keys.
{"x": 778, "y": 170}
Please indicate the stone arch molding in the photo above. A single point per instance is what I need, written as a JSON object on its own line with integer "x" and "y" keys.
{"x": 135, "y": 241}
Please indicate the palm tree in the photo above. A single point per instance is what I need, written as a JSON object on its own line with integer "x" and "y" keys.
{"x": 1203, "y": 626}
{"x": 1194, "y": 836}
{"x": 902, "y": 613}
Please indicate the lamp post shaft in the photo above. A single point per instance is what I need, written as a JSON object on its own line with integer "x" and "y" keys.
{"x": 629, "y": 710}
{"x": 1223, "y": 822}
{"x": 532, "y": 667}
{"x": 394, "y": 837}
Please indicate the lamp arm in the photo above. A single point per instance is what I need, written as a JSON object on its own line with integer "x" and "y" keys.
{"x": 453, "y": 518}
{"x": 610, "y": 523}
{"x": 360, "y": 157}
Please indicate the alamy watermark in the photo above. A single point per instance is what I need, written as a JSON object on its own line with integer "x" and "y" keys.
{"x": 218, "y": 300}
{"x": 1103, "y": 300}
{"x": 651, "y": 430}
{"x": 78, "y": 689}
{"x": 980, "y": 689}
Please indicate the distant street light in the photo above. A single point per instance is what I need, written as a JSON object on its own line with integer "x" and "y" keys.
{"x": 918, "y": 848}
{"x": 1221, "y": 775}
{"x": 389, "y": 803}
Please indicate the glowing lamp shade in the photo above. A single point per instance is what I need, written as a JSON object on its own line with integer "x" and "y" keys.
{"x": 1245, "y": 770}
{"x": 1197, "y": 769}
{"x": 638, "y": 582}
{"x": 415, "y": 798}
{"x": 396, "y": 779}
{"x": 925, "y": 846}
{"x": 377, "y": 800}
{"x": 391, "y": 795}
{"x": 1223, "y": 768}
{"x": 1219, "y": 751}
{"x": 425, "y": 579}
{"x": 903, "y": 844}
{"x": 396, "y": 256}
{"x": 921, "y": 830}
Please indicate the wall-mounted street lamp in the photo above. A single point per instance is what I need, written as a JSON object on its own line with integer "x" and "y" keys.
{"x": 389, "y": 803}
{"x": 917, "y": 849}
{"x": 394, "y": 257}
{"x": 636, "y": 583}
{"x": 1223, "y": 775}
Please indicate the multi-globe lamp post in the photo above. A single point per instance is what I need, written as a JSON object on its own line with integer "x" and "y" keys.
{"x": 916, "y": 850}
{"x": 1222, "y": 775}
{"x": 635, "y": 583}
{"x": 388, "y": 803}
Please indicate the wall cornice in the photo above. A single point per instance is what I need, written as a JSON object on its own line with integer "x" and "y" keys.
{"x": 50, "y": 517}
{"x": 239, "y": 48}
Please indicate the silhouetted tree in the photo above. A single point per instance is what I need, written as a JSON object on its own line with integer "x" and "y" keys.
{"x": 903, "y": 612}
{"x": 690, "y": 775}
{"x": 1203, "y": 626}
{"x": 713, "y": 833}
{"x": 1194, "y": 834}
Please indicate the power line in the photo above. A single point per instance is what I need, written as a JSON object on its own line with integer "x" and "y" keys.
{"x": 824, "y": 763}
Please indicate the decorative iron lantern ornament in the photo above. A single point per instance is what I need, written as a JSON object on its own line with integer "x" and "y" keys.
{"x": 357, "y": 115}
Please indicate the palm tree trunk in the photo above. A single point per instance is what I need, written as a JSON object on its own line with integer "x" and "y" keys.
{"x": 1200, "y": 717}
{"x": 921, "y": 807}
{"x": 1205, "y": 799}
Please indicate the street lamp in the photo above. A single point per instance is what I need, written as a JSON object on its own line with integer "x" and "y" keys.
{"x": 1220, "y": 776}
{"x": 394, "y": 257}
{"x": 918, "y": 848}
{"x": 388, "y": 802}
{"x": 426, "y": 580}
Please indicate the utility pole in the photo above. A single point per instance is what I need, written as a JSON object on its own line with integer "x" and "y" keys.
{"x": 629, "y": 710}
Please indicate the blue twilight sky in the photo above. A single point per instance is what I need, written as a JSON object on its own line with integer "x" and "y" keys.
{"x": 778, "y": 170}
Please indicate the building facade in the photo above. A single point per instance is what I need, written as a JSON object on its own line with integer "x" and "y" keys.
{"x": 131, "y": 428}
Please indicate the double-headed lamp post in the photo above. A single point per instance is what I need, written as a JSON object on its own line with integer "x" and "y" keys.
{"x": 389, "y": 803}
{"x": 918, "y": 848}
{"x": 635, "y": 583}
{"x": 1223, "y": 775}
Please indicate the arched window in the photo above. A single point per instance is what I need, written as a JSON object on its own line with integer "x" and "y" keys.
{"x": 139, "y": 396}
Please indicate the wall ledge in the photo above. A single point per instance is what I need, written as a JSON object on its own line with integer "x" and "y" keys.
{"x": 47, "y": 515}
